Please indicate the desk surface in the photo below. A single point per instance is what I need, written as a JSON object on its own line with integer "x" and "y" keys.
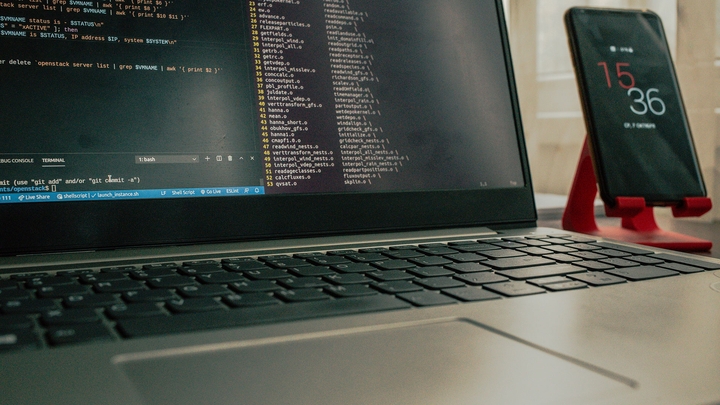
{"x": 704, "y": 230}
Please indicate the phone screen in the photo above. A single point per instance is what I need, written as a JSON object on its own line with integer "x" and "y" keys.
{"x": 640, "y": 138}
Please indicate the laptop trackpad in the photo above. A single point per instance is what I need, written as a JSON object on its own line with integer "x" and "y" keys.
{"x": 451, "y": 362}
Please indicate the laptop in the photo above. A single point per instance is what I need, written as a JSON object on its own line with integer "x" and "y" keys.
{"x": 307, "y": 202}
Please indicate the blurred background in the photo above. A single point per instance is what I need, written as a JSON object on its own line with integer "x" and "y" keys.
{"x": 554, "y": 129}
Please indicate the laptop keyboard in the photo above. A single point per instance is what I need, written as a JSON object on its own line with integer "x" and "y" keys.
{"x": 39, "y": 310}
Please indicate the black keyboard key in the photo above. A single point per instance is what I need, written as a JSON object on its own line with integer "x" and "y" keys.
{"x": 477, "y": 247}
{"x": 274, "y": 257}
{"x": 255, "y": 286}
{"x": 565, "y": 286}
{"x": 517, "y": 262}
{"x": 437, "y": 251}
{"x": 404, "y": 254}
{"x": 9, "y": 284}
{"x": 27, "y": 276}
{"x": 326, "y": 260}
{"x": 59, "y": 291}
{"x": 258, "y": 315}
{"x": 300, "y": 295}
{"x": 466, "y": 257}
{"x": 703, "y": 264}
{"x": 308, "y": 255}
{"x": 642, "y": 272}
{"x": 90, "y": 300}
{"x": 618, "y": 262}
{"x": 347, "y": 279}
{"x": 535, "y": 243}
{"x": 266, "y": 274}
{"x": 395, "y": 264}
{"x": 548, "y": 280}
{"x": 584, "y": 247}
{"x": 57, "y": 317}
{"x": 124, "y": 311}
{"x": 149, "y": 296}
{"x": 154, "y": 266}
{"x": 541, "y": 271}
{"x": 287, "y": 263}
{"x": 645, "y": 260}
{"x": 468, "y": 267}
{"x": 28, "y": 306}
{"x": 353, "y": 268}
{"x": 194, "y": 305}
{"x": 390, "y": 275}
{"x": 597, "y": 278}
{"x": 206, "y": 290}
{"x": 13, "y": 322}
{"x": 118, "y": 286}
{"x": 220, "y": 278}
{"x": 171, "y": 282}
{"x": 93, "y": 278}
{"x": 431, "y": 261}
{"x": 612, "y": 253}
{"x": 341, "y": 252}
{"x": 432, "y": 245}
{"x": 200, "y": 263}
{"x": 200, "y": 269}
{"x": 560, "y": 249}
{"x": 366, "y": 257}
{"x": 432, "y": 271}
{"x": 623, "y": 248}
{"x": 18, "y": 339}
{"x": 312, "y": 271}
{"x": 439, "y": 283}
{"x": 593, "y": 265}
{"x": 118, "y": 269}
{"x": 154, "y": 273}
{"x": 426, "y": 298}
{"x": 503, "y": 253}
{"x": 49, "y": 281}
{"x": 509, "y": 244}
{"x": 480, "y": 278}
{"x": 580, "y": 239}
{"x": 471, "y": 294}
{"x": 562, "y": 258}
{"x": 345, "y": 291}
{"x": 243, "y": 265}
{"x": 588, "y": 255}
{"x": 557, "y": 240}
{"x": 537, "y": 251}
{"x": 249, "y": 300}
{"x": 394, "y": 287}
{"x": 303, "y": 282}
{"x": 514, "y": 288}
{"x": 682, "y": 268}
{"x": 374, "y": 250}
{"x": 78, "y": 334}
{"x": 15, "y": 294}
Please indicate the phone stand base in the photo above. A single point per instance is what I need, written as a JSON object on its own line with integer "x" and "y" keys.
{"x": 638, "y": 220}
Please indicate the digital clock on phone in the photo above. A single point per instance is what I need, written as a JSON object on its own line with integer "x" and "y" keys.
{"x": 638, "y": 131}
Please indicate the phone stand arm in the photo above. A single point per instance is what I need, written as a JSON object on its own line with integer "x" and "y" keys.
{"x": 638, "y": 219}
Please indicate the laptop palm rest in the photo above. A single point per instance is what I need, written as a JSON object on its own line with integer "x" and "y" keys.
{"x": 447, "y": 362}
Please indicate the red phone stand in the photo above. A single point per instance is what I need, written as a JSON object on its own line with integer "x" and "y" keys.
{"x": 638, "y": 220}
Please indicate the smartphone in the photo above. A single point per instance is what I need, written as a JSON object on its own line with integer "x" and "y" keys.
{"x": 638, "y": 132}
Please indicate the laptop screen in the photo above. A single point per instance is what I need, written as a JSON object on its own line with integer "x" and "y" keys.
{"x": 119, "y": 115}
{"x": 126, "y": 100}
